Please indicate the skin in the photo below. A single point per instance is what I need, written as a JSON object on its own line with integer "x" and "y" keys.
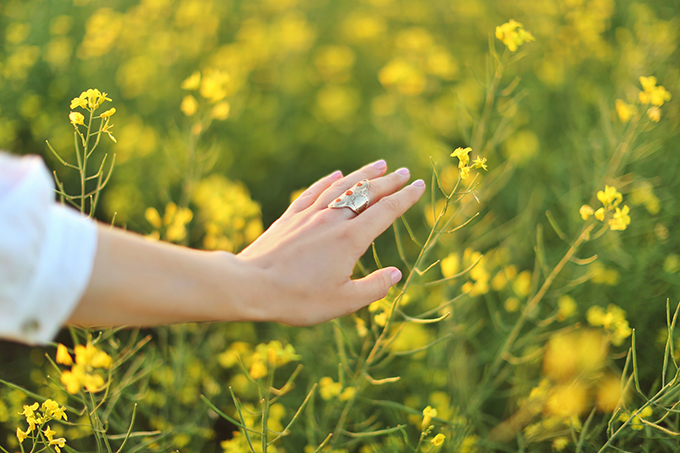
{"x": 297, "y": 272}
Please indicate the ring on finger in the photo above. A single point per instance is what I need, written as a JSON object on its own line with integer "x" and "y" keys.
{"x": 356, "y": 198}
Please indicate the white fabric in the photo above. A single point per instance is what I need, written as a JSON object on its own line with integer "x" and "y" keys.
{"x": 46, "y": 253}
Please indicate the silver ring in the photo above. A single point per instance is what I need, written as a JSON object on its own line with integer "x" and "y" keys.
{"x": 356, "y": 198}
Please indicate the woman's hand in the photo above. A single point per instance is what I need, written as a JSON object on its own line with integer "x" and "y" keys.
{"x": 301, "y": 266}
{"x": 298, "y": 272}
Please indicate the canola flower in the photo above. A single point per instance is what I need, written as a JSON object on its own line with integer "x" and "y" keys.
{"x": 637, "y": 423}
{"x": 83, "y": 372}
{"x": 38, "y": 416}
{"x": 613, "y": 320}
{"x": 513, "y": 35}
{"x": 464, "y": 167}
{"x": 438, "y": 440}
{"x": 428, "y": 414}
{"x": 652, "y": 95}
{"x": 268, "y": 356}
{"x": 610, "y": 199}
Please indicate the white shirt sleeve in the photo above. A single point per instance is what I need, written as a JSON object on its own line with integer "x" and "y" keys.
{"x": 46, "y": 253}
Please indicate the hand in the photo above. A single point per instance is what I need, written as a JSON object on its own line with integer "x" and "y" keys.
{"x": 303, "y": 263}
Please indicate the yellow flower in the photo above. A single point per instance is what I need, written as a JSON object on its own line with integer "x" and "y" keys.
{"x": 568, "y": 400}
{"x": 189, "y": 105}
{"x": 599, "y": 214}
{"x": 511, "y": 304}
{"x": 560, "y": 443}
{"x": 90, "y": 100}
{"x": 636, "y": 424}
{"x": 220, "y": 111}
{"x": 624, "y": 110}
{"x": 463, "y": 156}
{"x": 621, "y": 219}
{"x": 63, "y": 357}
{"x": 52, "y": 409}
{"x": 329, "y": 389}
{"x": 450, "y": 265}
{"x": 654, "y": 114}
{"x": 586, "y": 211}
{"x": 76, "y": 118}
{"x": 610, "y": 196}
{"x": 652, "y": 94}
{"x": 192, "y": 82}
{"x": 347, "y": 394}
{"x": 479, "y": 162}
{"x": 89, "y": 355}
{"x": 438, "y": 439}
{"x": 108, "y": 113}
{"x": 513, "y": 34}
{"x": 567, "y": 307}
{"x": 21, "y": 435}
{"x": 609, "y": 393}
{"x": 428, "y": 414}
{"x": 258, "y": 369}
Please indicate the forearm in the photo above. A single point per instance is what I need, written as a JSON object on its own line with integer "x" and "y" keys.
{"x": 137, "y": 282}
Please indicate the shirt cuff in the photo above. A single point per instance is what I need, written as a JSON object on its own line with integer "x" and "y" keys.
{"x": 61, "y": 277}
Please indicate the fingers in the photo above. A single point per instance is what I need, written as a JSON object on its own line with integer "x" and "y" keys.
{"x": 309, "y": 196}
{"x": 373, "y": 287}
{"x": 370, "y": 171}
{"x": 386, "y": 210}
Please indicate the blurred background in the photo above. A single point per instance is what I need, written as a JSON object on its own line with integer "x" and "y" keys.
{"x": 233, "y": 106}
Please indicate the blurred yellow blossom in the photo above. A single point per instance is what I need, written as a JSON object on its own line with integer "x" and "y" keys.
{"x": 438, "y": 440}
{"x": 511, "y": 304}
{"x": 428, "y": 414}
{"x": 108, "y": 113}
{"x": 76, "y": 118}
{"x": 193, "y": 82}
{"x": 586, "y": 211}
{"x": 613, "y": 320}
{"x": 621, "y": 219}
{"x": 652, "y": 94}
{"x": 83, "y": 373}
{"x": 450, "y": 265}
{"x": 578, "y": 353}
{"x": 636, "y": 423}
{"x": 566, "y": 307}
{"x": 522, "y": 284}
{"x": 513, "y": 34}
{"x": 610, "y": 393}
{"x": 189, "y": 105}
{"x": 568, "y": 400}
{"x": 328, "y": 388}
{"x": 220, "y": 111}
{"x": 609, "y": 196}
{"x": 654, "y": 114}
{"x": 624, "y": 110}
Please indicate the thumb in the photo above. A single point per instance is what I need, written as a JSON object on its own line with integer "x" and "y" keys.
{"x": 375, "y": 285}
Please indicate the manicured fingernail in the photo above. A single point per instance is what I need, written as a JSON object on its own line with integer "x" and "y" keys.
{"x": 379, "y": 165}
{"x": 418, "y": 183}
{"x": 336, "y": 175}
{"x": 396, "y": 276}
{"x": 402, "y": 172}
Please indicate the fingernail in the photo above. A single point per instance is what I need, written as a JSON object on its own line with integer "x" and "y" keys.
{"x": 336, "y": 174}
{"x": 396, "y": 276}
{"x": 418, "y": 183}
{"x": 402, "y": 172}
{"x": 379, "y": 165}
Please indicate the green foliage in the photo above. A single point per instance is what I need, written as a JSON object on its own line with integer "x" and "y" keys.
{"x": 518, "y": 326}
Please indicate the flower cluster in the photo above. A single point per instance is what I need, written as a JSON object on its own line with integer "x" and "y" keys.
{"x": 329, "y": 389}
{"x": 575, "y": 380}
{"x": 463, "y": 155}
{"x": 513, "y": 34}
{"x": 214, "y": 86}
{"x": 38, "y": 428}
{"x": 613, "y": 320}
{"x": 83, "y": 372}
{"x": 91, "y": 100}
{"x": 610, "y": 199}
{"x": 650, "y": 94}
{"x": 172, "y": 226}
{"x": 637, "y": 423}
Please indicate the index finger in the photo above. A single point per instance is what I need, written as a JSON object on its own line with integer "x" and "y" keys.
{"x": 377, "y": 218}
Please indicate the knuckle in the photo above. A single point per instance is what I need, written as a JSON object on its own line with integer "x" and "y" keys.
{"x": 390, "y": 204}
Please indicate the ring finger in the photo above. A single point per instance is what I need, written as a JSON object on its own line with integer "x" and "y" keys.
{"x": 379, "y": 188}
